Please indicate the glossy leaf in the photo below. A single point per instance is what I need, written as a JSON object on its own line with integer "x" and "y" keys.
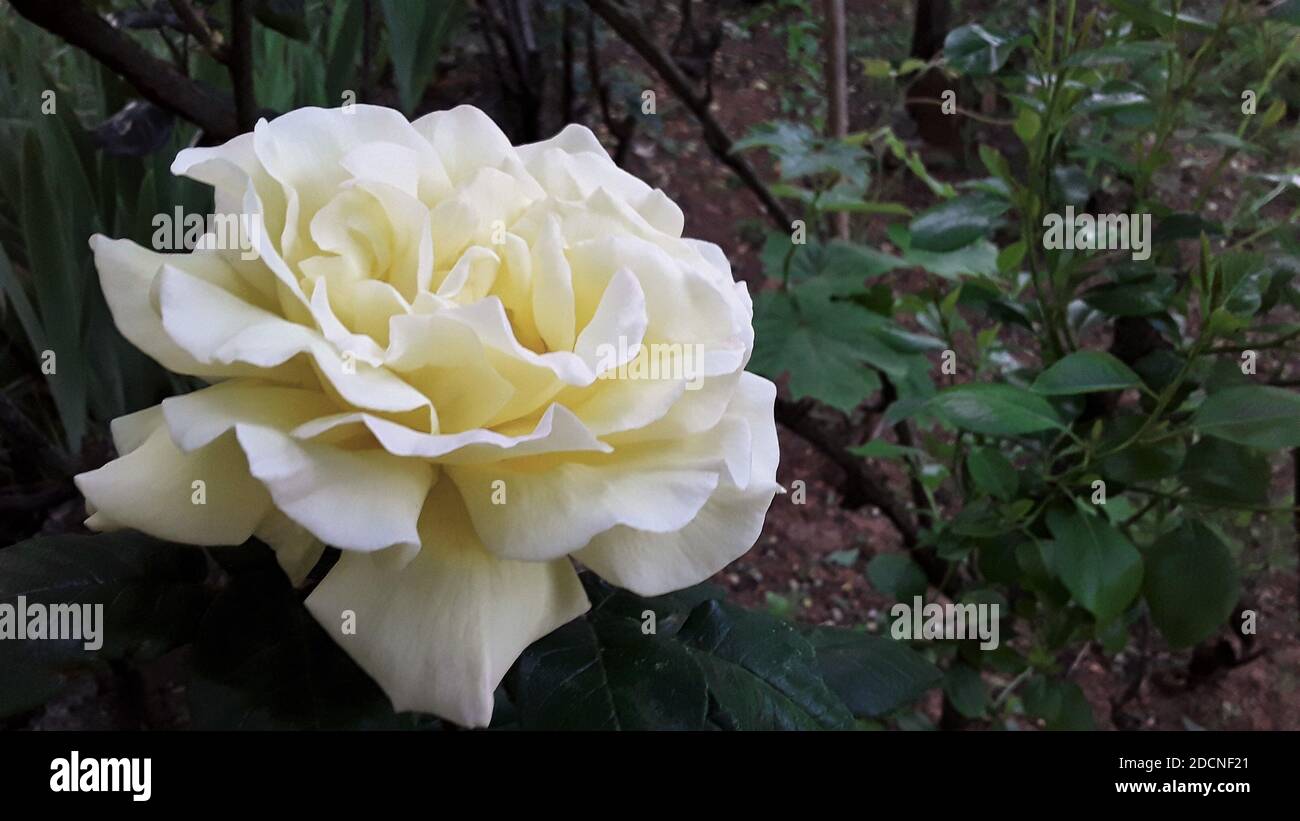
{"x": 956, "y": 223}
{"x": 995, "y": 409}
{"x": 895, "y": 574}
{"x": 1098, "y": 565}
{"x": 873, "y": 675}
{"x": 1086, "y": 372}
{"x": 1191, "y": 584}
{"x": 762, "y": 674}
{"x": 1259, "y": 416}
{"x": 150, "y": 592}
{"x": 993, "y": 473}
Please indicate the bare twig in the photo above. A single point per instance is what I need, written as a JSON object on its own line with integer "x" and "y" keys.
{"x": 837, "y": 90}
{"x": 195, "y": 24}
{"x": 965, "y": 112}
{"x": 715, "y": 136}
{"x": 521, "y": 73}
{"x": 622, "y": 129}
{"x": 241, "y": 62}
{"x": 367, "y": 48}
{"x": 157, "y": 81}
{"x": 861, "y": 487}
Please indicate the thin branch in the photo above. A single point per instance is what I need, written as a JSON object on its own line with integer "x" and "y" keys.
{"x": 715, "y": 136}
{"x": 965, "y": 112}
{"x": 860, "y": 487}
{"x": 241, "y": 62}
{"x": 367, "y": 49}
{"x": 194, "y": 23}
{"x": 157, "y": 80}
{"x": 621, "y": 129}
{"x": 837, "y": 103}
{"x": 1276, "y": 342}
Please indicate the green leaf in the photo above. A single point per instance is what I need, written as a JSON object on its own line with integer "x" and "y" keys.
{"x": 780, "y": 137}
{"x": 857, "y": 205}
{"x": 1226, "y": 139}
{"x": 966, "y": 691}
{"x": 1191, "y": 584}
{"x": 1271, "y": 117}
{"x": 844, "y": 558}
{"x": 877, "y": 68}
{"x": 836, "y": 160}
{"x": 15, "y": 298}
{"x": 845, "y": 266}
{"x": 1287, "y": 12}
{"x": 895, "y": 574}
{"x": 151, "y": 593}
{"x": 603, "y": 673}
{"x": 823, "y": 345}
{"x": 591, "y": 673}
{"x": 996, "y": 164}
{"x": 1101, "y": 569}
{"x": 1061, "y": 704}
{"x": 1027, "y": 125}
{"x": 1071, "y": 185}
{"x": 344, "y": 49}
{"x": 995, "y": 409}
{"x": 261, "y": 661}
{"x": 762, "y": 674}
{"x": 285, "y": 16}
{"x": 1260, "y": 416}
{"x": 1141, "y": 295}
{"x": 58, "y": 286}
{"x": 1158, "y": 20}
{"x": 417, "y": 34}
{"x": 956, "y": 223}
{"x": 1086, "y": 372}
{"x": 976, "y": 51}
{"x": 1117, "y": 99}
{"x": 980, "y": 258}
{"x": 993, "y": 473}
{"x": 1120, "y": 54}
{"x": 872, "y": 675}
{"x": 1245, "y": 278}
{"x": 881, "y": 449}
{"x": 1218, "y": 470}
{"x": 1139, "y": 462}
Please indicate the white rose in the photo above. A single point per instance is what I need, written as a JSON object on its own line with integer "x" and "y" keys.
{"x": 428, "y": 329}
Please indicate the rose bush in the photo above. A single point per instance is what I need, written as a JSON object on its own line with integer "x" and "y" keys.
{"x": 416, "y": 369}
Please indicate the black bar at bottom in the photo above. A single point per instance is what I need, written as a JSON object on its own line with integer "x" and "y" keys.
{"x": 301, "y": 770}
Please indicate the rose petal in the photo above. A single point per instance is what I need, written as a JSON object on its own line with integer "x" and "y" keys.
{"x": 151, "y": 489}
{"x": 352, "y": 500}
{"x": 439, "y": 632}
